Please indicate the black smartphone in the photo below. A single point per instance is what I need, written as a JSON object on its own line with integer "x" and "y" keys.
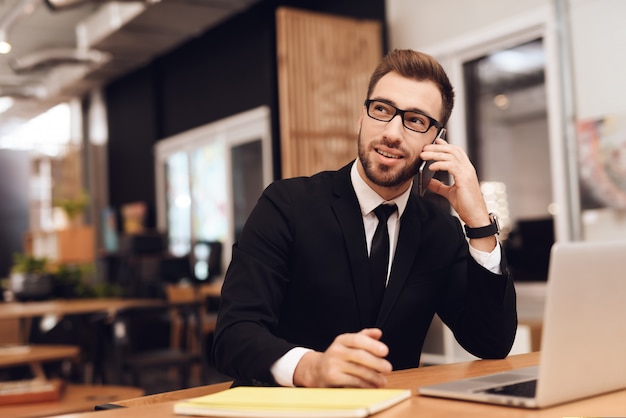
{"x": 424, "y": 174}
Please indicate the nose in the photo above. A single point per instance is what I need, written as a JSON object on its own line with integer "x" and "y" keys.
{"x": 394, "y": 128}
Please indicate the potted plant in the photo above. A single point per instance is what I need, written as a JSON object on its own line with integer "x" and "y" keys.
{"x": 30, "y": 277}
{"x": 73, "y": 207}
{"x": 75, "y": 280}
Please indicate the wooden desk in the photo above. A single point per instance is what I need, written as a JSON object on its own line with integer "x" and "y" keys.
{"x": 175, "y": 395}
{"x": 612, "y": 404}
{"x": 75, "y": 399}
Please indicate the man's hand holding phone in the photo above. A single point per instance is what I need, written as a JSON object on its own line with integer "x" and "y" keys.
{"x": 463, "y": 194}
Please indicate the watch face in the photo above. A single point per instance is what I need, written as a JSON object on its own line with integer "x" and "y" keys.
{"x": 495, "y": 221}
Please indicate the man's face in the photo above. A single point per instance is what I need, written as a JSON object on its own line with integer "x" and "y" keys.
{"x": 389, "y": 152}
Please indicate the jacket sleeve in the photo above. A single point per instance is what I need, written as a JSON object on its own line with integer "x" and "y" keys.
{"x": 480, "y": 308}
{"x": 244, "y": 346}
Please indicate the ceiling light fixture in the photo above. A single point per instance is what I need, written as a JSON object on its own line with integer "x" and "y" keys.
{"x": 501, "y": 101}
{"x": 57, "y": 56}
{"x": 29, "y": 91}
{"x": 56, "y": 5}
{"x": 60, "y": 5}
{"x": 6, "y": 103}
{"x": 19, "y": 10}
{"x": 5, "y": 46}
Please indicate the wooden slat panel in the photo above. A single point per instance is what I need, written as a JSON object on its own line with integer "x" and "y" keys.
{"x": 324, "y": 65}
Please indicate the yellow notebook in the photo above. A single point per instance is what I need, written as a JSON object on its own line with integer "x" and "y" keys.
{"x": 281, "y": 402}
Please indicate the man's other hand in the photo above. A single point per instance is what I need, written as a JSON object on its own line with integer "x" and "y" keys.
{"x": 352, "y": 360}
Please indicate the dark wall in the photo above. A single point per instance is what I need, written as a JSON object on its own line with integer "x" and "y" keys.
{"x": 228, "y": 70}
{"x": 132, "y": 123}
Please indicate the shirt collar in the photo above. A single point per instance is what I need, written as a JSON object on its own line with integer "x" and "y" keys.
{"x": 369, "y": 199}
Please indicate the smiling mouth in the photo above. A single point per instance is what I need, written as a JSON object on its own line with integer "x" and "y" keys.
{"x": 386, "y": 154}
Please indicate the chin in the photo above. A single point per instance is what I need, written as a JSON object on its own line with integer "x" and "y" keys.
{"x": 383, "y": 176}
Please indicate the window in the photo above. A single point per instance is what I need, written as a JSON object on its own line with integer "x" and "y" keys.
{"x": 508, "y": 141}
{"x": 209, "y": 179}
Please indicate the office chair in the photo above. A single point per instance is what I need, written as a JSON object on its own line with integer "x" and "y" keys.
{"x": 142, "y": 342}
{"x": 187, "y": 336}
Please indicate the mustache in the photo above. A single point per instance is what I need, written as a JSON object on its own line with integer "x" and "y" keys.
{"x": 390, "y": 144}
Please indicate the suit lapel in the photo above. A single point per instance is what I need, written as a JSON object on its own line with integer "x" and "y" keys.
{"x": 347, "y": 210}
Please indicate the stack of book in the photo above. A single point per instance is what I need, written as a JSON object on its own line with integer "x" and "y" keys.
{"x": 32, "y": 390}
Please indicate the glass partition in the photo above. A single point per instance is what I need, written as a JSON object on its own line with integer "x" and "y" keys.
{"x": 209, "y": 179}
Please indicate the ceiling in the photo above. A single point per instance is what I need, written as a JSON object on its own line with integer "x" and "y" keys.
{"x": 61, "y": 53}
{"x": 512, "y": 69}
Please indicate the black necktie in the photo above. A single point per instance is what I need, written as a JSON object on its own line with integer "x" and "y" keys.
{"x": 379, "y": 254}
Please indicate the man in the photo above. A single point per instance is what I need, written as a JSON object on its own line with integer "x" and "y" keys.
{"x": 299, "y": 301}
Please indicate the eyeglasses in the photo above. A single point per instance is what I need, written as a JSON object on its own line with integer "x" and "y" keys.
{"x": 411, "y": 119}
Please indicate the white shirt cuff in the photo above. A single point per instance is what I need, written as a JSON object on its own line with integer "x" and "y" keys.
{"x": 284, "y": 368}
{"x": 490, "y": 261}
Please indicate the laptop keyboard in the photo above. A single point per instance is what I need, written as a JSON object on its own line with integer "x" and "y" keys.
{"x": 522, "y": 389}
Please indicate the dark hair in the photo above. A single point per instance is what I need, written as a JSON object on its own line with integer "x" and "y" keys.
{"x": 418, "y": 66}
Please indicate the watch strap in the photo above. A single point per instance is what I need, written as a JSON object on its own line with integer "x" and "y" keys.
{"x": 483, "y": 231}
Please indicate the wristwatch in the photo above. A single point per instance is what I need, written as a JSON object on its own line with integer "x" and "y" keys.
{"x": 484, "y": 231}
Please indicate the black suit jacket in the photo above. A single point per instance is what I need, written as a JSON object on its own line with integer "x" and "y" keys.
{"x": 299, "y": 277}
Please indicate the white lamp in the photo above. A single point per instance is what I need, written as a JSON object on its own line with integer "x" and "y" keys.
{"x": 5, "y": 103}
{"x": 5, "y": 46}
{"x": 494, "y": 193}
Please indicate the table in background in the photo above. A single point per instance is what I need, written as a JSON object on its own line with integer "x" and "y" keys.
{"x": 75, "y": 399}
{"x": 35, "y": 355}
{"x": 612, "y": 404}
{"x": 25, "y": 311}
{"x": 107, "y": 308}
{"x": 212, "y": 289}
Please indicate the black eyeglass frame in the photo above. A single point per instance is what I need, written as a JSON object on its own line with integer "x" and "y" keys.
{"x": 433, "y": 122}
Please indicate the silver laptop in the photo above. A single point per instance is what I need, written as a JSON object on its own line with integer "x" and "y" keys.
{"x": 583, "y": 343}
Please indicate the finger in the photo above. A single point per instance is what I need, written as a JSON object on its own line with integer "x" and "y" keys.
{"x": 341, "y": 367}
{"x": 370, "y": 361}
{"x": 367, "y": 340}
{"x": 363, "y": 350}
{"x": 439, "y": 156}
{"x": 441, "y": 150}
{"x": 357, "y": 375}
{"x": 438, "y": 187}
{"x": 375, "y": 333}
{"x": 355, "y": 368}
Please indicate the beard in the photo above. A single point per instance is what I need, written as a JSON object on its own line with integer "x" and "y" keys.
{"x": 383, "y": 175}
